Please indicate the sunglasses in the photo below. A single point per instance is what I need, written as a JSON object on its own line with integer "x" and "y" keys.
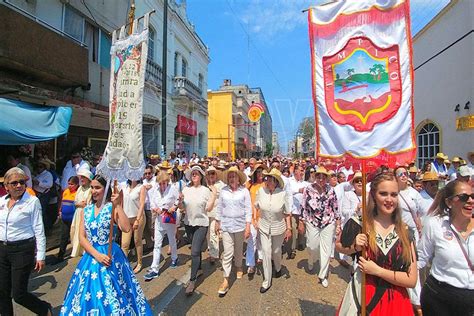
{"x": 358, "y": 181}
{"x": 464, "y": 197}
{"x": 401, "y": 174}
{"x": 15, "y": 183}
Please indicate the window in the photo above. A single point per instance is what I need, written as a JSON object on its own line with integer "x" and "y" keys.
{"x": 150, "y": 138}
{"x": 200, "y": 141}
{"x": 104, "y": 54}
{"x": 176, "y": 59}
{"x": 184, "y": 67}
{"x": 91, "y": 39}
{"x": 73, "y": 23}
{"x": 151, "y": 44}
{"x": 200, "y": 81}
{"x": 428, "y": 143}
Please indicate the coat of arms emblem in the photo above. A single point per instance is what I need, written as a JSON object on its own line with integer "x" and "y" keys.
{"x": 362, "y": 84}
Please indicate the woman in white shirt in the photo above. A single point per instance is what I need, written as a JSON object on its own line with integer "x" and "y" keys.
{"x": 22, "y": 245}
{"x": 273, "y": 205}
{"x": 82, "y": 199}
{"x": 196, "y": 201}
{"x": 448, "y": 242}
{"x": 233, "y": 218}
{"x": 134, "y": 195}
{"x": 164, "y": 205}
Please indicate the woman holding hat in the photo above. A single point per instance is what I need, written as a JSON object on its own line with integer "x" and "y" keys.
{"x": 322, "y": 219}
{"x": 447, "y": 242}
{"x": 22, "y": 245}
{"x": 253, "y": 243}
{"x": 213, "y": 179}
{"x": 273, "y": 205}
{"x": 196, "y": 201}
{"x": 82, "y": 199}
{"x": 233, "y": 219}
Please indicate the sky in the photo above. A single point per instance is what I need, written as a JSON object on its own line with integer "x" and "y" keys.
{"x": 265, "y": 43}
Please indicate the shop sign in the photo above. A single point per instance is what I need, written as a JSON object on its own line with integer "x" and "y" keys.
{"x": 186, "y": 126}
{"x": 465, "y": 123}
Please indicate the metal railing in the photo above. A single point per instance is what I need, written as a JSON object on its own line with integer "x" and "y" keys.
{"x": 184, "y": 87}
{"x": 154, "y": 73}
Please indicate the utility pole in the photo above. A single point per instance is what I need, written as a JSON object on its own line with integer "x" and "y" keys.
{"x": 164, "y": 91}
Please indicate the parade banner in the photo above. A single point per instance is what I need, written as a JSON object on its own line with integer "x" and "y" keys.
{"x": 362, "y": 80}
{"x": 123, "y": 157}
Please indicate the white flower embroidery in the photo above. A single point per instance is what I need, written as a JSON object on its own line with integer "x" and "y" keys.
{"x": 87, "y": 296}
{"x": 77, "y": 271}
{"x": 94, "y": 225}
{"x": 94, "y": 275}
{"x": 63, "y": 310}
{"x": 99, "y": 295}
{"x": 94, "y": 261}
{"x": 86, "y": 273}
{"x": 95, "y": 239}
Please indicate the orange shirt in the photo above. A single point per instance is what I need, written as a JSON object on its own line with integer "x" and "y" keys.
{"x": 253, "y": 188}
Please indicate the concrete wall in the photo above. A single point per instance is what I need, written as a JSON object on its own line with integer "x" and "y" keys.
{"x": 446, "y": 80}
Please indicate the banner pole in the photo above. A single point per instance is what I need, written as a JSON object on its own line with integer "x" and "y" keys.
{"x": 111, "y": 229}
{"x": 364, "y": 231}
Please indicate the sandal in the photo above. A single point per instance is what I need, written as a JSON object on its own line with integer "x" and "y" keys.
{"x": 138, "y": 268}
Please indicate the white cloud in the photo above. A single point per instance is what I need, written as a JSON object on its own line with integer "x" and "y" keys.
{"x": 266, "y": 18}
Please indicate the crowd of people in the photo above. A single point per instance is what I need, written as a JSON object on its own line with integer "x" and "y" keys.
{"x": 417, "y": 252}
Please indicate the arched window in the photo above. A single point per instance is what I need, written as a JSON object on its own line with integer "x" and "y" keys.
{"x": 184, "y": 67}
{"x": 151, "y": 43}
{"x": 428, "y": 142}
{"x": 176, "y": 60}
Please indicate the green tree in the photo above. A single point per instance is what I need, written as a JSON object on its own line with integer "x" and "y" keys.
{"x": 269, "y": 149}
{"x": 350, "y": 71}
{"x": 373, "y": 71}
{"x": 306, "y": 128}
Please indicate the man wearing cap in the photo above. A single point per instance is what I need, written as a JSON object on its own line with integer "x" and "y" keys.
{"x": 463, "y": 174}
{"x": 439, "y": 167}
{"x": 71, "y": 168}
{"x": 430, "y": 188}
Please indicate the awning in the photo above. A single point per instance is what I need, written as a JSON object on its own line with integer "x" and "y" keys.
{"x": 26, "y": 123}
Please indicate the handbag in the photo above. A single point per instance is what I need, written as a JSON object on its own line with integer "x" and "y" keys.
{"x": 168, "y": 218}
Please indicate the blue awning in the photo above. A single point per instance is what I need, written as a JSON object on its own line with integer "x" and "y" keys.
{"x": 26, "y": 123}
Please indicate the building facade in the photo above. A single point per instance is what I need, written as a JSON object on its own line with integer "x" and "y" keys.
{"x": 444, "y": 83}
{"x": 187, "y": 68}
{"x": 275, "y": 144}
{"x": 231, "y": 134}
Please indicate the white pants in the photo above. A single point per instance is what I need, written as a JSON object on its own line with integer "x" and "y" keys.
{"x": 253, "y": 247}
{"x": 320, "y": 241}
{"x": 160, "y": 230}
{"x": 271, "y": 249}
{"x": 415, "y": 293}
{"x": 213, "y": 243}
{"x": 233, "y": 247}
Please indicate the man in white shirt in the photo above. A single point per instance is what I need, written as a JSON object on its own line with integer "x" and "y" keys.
{"x": 346, "y": 169}
{"x": 149, "y": 183}
{"x": 13, "y": 160}
{"x": 42, "y": 185}
{"x": 470, "y": 163}
{"x": 455, "y": 164}
{"x": 296, "y": 186}
{"x": 430, "y": 188}
{"x": 71, "y": 168}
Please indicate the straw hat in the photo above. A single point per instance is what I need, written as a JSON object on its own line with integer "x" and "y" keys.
{"x": 188, "y": 172}
{"x": 45, "y": 163}
{"x": 154, "y": 156}
{"x": 464, "y": 171}
{"x": 221, "y": 165}
{"x": 357, "y": 175}
{"x": 413, "y": 169}
{"x": 255, "y": 169}
{"x": 447, "y": 161}
{"x": 2, "y": 179}
{"x": 430, "y": 176}
{"x": 275, "y": 173}
{"x": 441, "y": 156}
{"x": 456, "y": 159}
{"x": 322, "y": 170}
{"x": 85, "y": 173}
{"x": 218, "y": 172}
{"x": 165, "y": 165}
{"x": 242, "y": 176}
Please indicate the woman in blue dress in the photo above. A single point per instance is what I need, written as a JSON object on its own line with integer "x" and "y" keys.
{"x": 101, "y": 285}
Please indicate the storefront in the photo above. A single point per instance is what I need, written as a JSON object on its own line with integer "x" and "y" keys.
{"x": 185, "y": 134}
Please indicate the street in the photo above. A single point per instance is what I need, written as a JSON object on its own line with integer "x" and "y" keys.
{"x": 295, "y": 293}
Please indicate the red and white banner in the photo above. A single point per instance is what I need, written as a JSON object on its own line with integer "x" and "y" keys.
{"x": 362, "y": 80}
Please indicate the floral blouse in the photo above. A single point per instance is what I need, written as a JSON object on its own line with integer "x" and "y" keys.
{"x": 318, "y": 209}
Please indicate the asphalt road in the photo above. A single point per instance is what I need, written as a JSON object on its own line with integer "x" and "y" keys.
{"x": 297, "y": 292}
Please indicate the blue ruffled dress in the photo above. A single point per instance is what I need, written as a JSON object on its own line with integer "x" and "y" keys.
{"x": 95, "y": 289}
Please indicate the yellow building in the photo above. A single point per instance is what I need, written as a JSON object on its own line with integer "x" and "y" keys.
{"x": 220, "y": 129}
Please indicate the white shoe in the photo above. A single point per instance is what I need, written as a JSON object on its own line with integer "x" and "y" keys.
{"x": 325, "y": 282}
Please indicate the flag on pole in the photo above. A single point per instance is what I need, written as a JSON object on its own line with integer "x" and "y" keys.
{"x": 123, "y": 157}
{"x": 362, "y": 80}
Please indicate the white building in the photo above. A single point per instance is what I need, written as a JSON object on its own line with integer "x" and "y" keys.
{"x": 187, "y": 63}
{"x": 444, "y": 83}
{"x": 275, "y": 144}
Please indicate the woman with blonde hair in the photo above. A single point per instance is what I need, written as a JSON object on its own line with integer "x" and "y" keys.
{"x": 233, "y": 218}
{"x": 164, "y": 204}
{"x": 390, "y": 266}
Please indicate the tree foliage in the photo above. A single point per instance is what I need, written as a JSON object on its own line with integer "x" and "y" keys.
{"x": 306, "y": 128}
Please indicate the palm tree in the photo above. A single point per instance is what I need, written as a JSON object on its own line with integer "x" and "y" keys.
{"x": 350, "y": 71}
{"x": 380, "y": 69}
{"x": 373, "y": 71}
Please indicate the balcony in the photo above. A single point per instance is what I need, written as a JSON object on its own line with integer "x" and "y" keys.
{"x": 153, "y": 76}
{"x": 186, "y": 93}
{"x": 38, "y": 55}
